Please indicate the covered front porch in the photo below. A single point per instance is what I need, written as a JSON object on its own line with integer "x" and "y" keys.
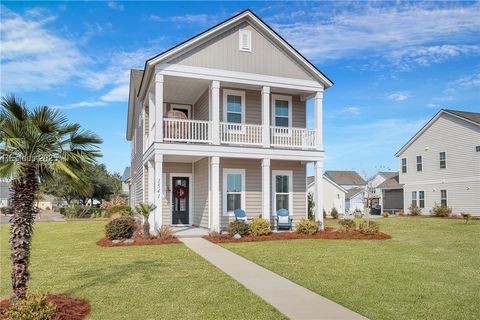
{"x": 205, "y": 191}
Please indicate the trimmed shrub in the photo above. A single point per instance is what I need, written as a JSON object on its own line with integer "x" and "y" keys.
{"x": 414, "y": 210}
{"x": 442, "y": 211}
{"x": 165, "y": 233}
{"x": 347, "y": 225}
{"x": 34, "y": 307}
{"x": 259, "y": 227}
{"x": 120, "y": 228}
{"x": 6, "y": 210}
{"x": 368, "y": 227}
{"x": 385, "y": 214}
{"x": 122, "y": 210}
{"x": 306, "y": 226}
{"x": 240, "y": 227}
{"x": 69, "y": 211}
{"x": 358, "y": 213}
{"x": 334, "y": 213}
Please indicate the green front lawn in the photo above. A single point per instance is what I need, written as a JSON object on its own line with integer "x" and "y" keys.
{"x": 149, "y": 282}
{"x": 430, "y": 269}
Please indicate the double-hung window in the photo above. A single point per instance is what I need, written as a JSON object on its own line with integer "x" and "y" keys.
{"x": 443, "y": 197}
{"x": 233, "y": 106}
{"x": 282, "y": 190}
{"x": 443, "y": 160}
{"x": 404, "y": 165}
{"x": 282, "y": 112}
{"x": 233, "y": 190}
{"x": 414, "y": 198}
{"x": 419, "y": 163}
{"x": 421, "y": 199}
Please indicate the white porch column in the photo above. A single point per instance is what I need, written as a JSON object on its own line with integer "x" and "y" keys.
{"x": 151, "y": 117}
{"x": 266, "y": 116}
{"x": 215, "y": 111}
{"x": 151, "y": 182}
{"x": 318, "y": 108}
{"x": 158, "y": 196}
{"x": 158, "y": 107}
{"x": 215, "y": 193}
{"x": 318, "y": 168}
{"x": 266, "y": 212}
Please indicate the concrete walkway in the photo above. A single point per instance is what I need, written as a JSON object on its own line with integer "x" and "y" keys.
{"x": 291, "y": 299}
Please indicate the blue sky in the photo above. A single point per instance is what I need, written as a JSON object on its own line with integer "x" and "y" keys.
{"x": 394, "y": 64}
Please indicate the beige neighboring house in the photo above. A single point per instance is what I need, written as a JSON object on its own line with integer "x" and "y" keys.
{"x": 219, "y": 123}
{"x": 355, "y": 186}
{"x": 333, "y": 194}
{"x": 440, "y": 164}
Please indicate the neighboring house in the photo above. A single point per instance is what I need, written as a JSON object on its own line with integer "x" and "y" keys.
{"x": 5, "y": 193}
{"x": 372, "y": 193}
{"x": 46, "y": 202}
{"x": 440, "y": 164}
{"x": 126, "y": 182}
{"x": 391, "y": 195}
{"x": 354, "y": 184}
{"x": 219, "y": 123}
{"x": 333, "y": 194}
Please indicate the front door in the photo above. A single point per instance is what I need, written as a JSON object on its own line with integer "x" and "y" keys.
{"x": 180, "y": 197}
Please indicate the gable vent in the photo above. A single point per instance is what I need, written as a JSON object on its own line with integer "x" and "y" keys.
{"x": 245, "y": 40}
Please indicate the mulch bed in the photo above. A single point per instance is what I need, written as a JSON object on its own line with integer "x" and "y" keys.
{"x": 68, "y": 308}
{"x": 329, "y": 233}
{"x": 105, "y": 242}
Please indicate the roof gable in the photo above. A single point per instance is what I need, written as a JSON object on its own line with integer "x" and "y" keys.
{"x": 345, "y": 177}
{"x": 253, "y": 20}
{"x": 471, "y": 117}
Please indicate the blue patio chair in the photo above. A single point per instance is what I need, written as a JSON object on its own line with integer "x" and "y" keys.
{"x": 240, "y": 215}
{"x": 283, "y": 220}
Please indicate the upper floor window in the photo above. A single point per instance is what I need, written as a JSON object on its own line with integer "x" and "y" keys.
{"x": 419, "y": 163}
{"x": 421, "y": 199}
{"x": 443, "y": 197}
{"x": 245, "y": 40}
{"x": 404, "y": 165}
{"x": 282, "y": 111}
{"x": 443, "y": 160}
{"x": 233, "y": 106}
{"x": 414, "y": 198}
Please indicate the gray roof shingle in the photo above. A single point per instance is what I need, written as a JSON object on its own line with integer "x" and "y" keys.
{"x": 345, "y": 177}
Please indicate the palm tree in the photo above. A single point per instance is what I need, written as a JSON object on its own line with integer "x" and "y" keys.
{"x": 144, "y": 210}
{"x": 34, "y": 145}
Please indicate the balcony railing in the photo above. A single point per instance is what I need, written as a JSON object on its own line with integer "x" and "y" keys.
{"x": 292, "y": 137}
{"x": 241, "y": 134}
{"x": 186, "y": 130}
{"x": 197, "y": 131}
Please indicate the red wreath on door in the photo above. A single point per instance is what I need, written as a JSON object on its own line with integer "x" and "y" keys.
{"x": 180, "y": 192}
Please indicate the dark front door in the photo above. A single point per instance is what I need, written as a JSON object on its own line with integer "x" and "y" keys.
{"x": 180, "y": 203}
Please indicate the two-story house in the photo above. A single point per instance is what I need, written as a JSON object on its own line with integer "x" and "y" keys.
{"x": 440, "y": 164}
{"x": 219, "y": 123}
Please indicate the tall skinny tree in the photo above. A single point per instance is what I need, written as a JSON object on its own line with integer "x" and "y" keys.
{"x": 36, "y": 144}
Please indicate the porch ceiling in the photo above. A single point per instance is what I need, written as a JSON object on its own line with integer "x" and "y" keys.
{"x": 181, "y": 158}
{"x": 183, "y": 90}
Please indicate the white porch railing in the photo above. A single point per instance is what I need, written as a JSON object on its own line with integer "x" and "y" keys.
{"x": 186, "y": 130}
{"x": 292, "y": 137}
{"x": 241, "y": 133}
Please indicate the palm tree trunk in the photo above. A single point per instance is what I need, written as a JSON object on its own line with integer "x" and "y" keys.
{"x": 146, "y": 229}
{"x": 24, "y": 188}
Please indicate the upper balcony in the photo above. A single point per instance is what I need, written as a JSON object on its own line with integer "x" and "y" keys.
{"x": 201, "y": 111}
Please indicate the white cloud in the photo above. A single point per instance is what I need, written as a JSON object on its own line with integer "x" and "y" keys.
{"x": 352, "y": 110}
{"x": 33, "y": 57}
{"x": 399, "y": 96}
{"x": 115, "y": 6}
{"x": 467, "y": 82}
{"x": 202, "y": 19}
{"x": 391, "y": 31}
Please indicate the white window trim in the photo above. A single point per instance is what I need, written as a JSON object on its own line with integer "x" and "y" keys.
{"x": 416, "y": 199}
{"x": 446, "y": 198}
{"x": 227, "y": 171}
{"x": 247, "y": 32}
{"x": 421, "y": 199}
{"x": 440, "y": 160}
{"x": 406, "y": 165}
{"x": 227, "y": 92}
{"x": 184, "y": 107}
{"x": 417, "y": 163}
{"x": 288, "y": 173}
{"x": 284, "y": 98}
